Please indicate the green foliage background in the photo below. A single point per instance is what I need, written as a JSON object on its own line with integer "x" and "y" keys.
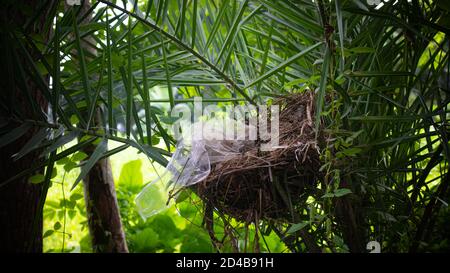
{"x": 177, "y": 229}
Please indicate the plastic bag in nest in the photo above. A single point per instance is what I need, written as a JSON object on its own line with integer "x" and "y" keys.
{"x": 191, "y": 162}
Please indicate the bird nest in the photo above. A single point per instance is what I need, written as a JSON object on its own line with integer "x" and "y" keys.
{"x": 256, "y": 185}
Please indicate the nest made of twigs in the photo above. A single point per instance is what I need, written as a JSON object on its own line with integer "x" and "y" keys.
{"x": 259, "y": 185}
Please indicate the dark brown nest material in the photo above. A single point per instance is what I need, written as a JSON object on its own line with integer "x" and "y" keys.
{"x": 260, "y": 185}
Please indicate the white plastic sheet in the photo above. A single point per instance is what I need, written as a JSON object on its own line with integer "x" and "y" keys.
{"x": 191, "y": 163}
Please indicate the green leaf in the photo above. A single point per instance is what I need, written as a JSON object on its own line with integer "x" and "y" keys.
{"x": 117, "y": 60}
{"x": 61, "y": 141}
{"x": 222, "y": 10}
{"x": 387, "y": 216}
{"x": 110, "y": 58}
{"x": 328, "y": 195}
{"x": 195, "y": 242}
{"x": 386, "y": 118}
{"x": 282, "y": 65}
{"x": 36, "y": 179}
{"x": 164, "y": 224}
{"x": 377, "y": 73}
{"x": 14, "y": 134}
{"x": 194, "y": 24}
{"x": 168, "y": 119}
{"x": 337, "y": 193}
{"x": 340, "y": 24}
{"x": 82, "y": 61}
{"x": 232, "y": 32}
{"x": 351, "y": 151}
{"x": 341, "y": 192}
{"x": 70, "y": 165}
{"x": 295, "y": 82}
{"x": 151, "y": 152}
{"x": 145, "y": 240}
{"x": 186, "y": 210}
{"x": 101, "y": 148}
{"x": 54, "y": 173}
{"x": 57, "y": 226}
{"x": 182, "y": 196}
{"x": 49, "y": 214}
{"x": 129, "y": 83}
{"x": 57, "y": 71}
{"x": 76, "y": 196}
{"x": 168, "y": 77}
{"x": 358, "y": 50}
{"x": 296, "y": 227}
{"x": 131, "y": 174}
{"x": 74, "y": 120}
{"x": 155, "y": 140}
{"x": 32, "y": 144}
{"x": 48, "y": 233}
{"x": 72, "y": 213}
{"x": 322, "y": 87}
{"x": 79, "y": 156}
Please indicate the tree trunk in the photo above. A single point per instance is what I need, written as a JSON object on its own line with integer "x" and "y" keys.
{"x": 105, "y": 226}
{"x": 349, "y": 219}
{"x": 19, "y": 201}
{"x": 349, "y": 224}
{"x": 102, "y": 209}
{"x": 20, "y": 210}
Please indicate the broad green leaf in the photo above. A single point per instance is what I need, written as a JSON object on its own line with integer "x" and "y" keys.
{"x": 36, "y": 179}
{"x": 48, "y": 233}
{"x": 76, "y": 196}
{"x": 57, "y": 226}
{"x": 131, "y": 174}
{"x": 146, "y": 240}
{"x": 70, "y": 165}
